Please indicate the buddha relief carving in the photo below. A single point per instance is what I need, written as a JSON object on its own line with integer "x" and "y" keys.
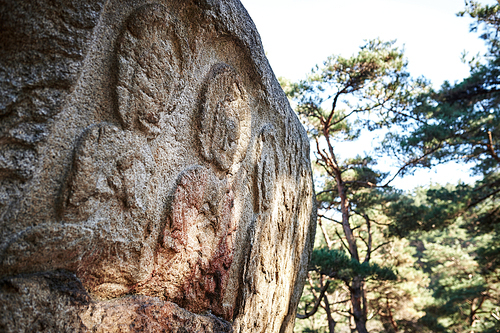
{"x": 112, "y": 181}
{"x": 225, "y": 117}
{"x": 196, "y": 252}
{"x": 266, "y": 168}
{"x": 111, "y": 189}
{"x": 152, "y": 174}
{"x": 149, "y": 69}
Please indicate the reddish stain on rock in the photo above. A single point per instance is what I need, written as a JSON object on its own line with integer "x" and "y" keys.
{"x": 194, "y": 259}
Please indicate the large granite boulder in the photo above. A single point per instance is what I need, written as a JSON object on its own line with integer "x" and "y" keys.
{"x": 152, "y": 173}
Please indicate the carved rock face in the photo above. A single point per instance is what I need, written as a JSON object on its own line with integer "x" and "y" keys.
{"x": 149, "y": 164}
{"x": 225, "y": 117}
{"x": 149, "y": 69}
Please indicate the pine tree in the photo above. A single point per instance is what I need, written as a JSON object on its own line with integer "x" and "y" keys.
{"x": 370, "y": 89}
{"x": 458, "y": 122}
{"x": 465, "y": 294}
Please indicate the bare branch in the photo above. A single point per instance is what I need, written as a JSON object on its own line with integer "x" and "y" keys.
{"x": 342, "y": 240}
{"x": 334, "y": 105}
{"x": 325, "y": 191}
{"x": 378, "y": 247}
{"x": 491, "y": 149}
{"x": 329, "y": 242}
{"x": 475, "y": 202}
{"x": 329, "y": 218}
{"x": 411, "y": 162}
{"x": 371, "y": 221}
{"x": 331, "y": 162}
{"x": 316, "y": 304}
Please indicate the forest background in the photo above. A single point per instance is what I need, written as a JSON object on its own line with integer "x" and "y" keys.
{"x": 391, "y": 257}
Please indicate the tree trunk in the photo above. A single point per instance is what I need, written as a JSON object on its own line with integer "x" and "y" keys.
{"x": 344, "y": 206}
{"x": 358, "y": 298}
{"x": 331, "y": 322}
{"x": 358, "y": 304}
{"x": 391, "y": 318}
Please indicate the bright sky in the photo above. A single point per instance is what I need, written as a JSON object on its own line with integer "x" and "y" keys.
{"x": 298, "y": 34}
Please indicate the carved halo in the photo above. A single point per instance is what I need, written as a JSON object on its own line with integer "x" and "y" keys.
{"x": 149, "y": 68}
{"x": 225, "y": 117}
{"x": 266, "y": 168}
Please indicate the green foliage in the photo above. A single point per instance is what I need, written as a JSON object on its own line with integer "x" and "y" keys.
{"x": 459, "y": 256}
{"x": 403, "y": 299}
{"x": 428, "y": 260}
{"x": 465, "y": 295}
{"x": 425, "y": 209}
{"x": 335, "y": 102}
{"x": 337, "y": 264}
{"x": 488, "y": 18}
{"x": 459, "y": 122}
{"x": 374, "y": 81}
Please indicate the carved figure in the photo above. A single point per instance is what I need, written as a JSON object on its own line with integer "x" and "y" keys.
{"x": 225, "y": 117}
{"x": 149, "y": 65}
{"x": 110, "y": 192}
{"x": 112, "y": 176}
{"x": 136, "y": 193}
{"x": 149, "y": 69}
{"x": 197, "y": 243}
{"x": 266, "y": 168}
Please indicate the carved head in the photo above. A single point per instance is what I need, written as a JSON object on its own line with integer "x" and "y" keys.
{"x": 149, "y": 66}
{"x": 266, "y": 169}
{"x": 225, "y": 117}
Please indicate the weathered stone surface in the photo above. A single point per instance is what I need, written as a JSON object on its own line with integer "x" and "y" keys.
{"x": 152, "y": 174}
{"x": 57, "y": 302}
